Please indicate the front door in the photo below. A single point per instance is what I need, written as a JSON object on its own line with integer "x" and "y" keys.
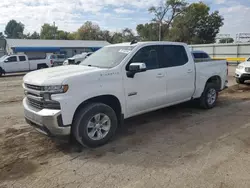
{"x": 11, "y": 64}
{"x": 147, "y": 90}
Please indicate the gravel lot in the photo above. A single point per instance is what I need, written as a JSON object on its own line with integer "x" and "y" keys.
{"x": 180, "y": 146}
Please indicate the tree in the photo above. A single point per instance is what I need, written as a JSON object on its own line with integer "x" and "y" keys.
{"x": 149, "y": 31}
{"x": 48, "y": 31}
{"x": 196, "y": 25}
{"x": 105, "y": 35}
{"x": 116, "y": 38}
{"x": 1, "y": 35}
{"x": 127, "y": 35}
{"x": 14, "y": 29}
{"x": 34, "y": 35}
{"x": 62, "y": 35}
{"x": 226, "y": 40}
{"x": 165, "y": 13}
{"x": 72, "y": 36}
{"x": 88, "y": 31}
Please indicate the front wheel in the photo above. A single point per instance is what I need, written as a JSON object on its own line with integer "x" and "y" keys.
{"x": 94, "y": 125}
{"x": 209, "y": 96}
{"x": 240, "y": 80}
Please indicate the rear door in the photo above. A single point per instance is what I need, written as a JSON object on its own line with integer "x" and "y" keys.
{"x": 11, "y": 64}
{"x": 23, "y": 64}
{"x": 180, "y": 73}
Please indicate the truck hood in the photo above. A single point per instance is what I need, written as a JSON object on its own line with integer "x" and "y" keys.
{"x": 56, "y": 75}
{"x": 246, "y": 63}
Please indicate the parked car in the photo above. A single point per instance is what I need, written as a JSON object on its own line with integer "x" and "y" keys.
{"x": 56, "y": 59}
{"x": 200, "y": 56}
{"x": 76, "y": 60}
{"x": 242, "y": 72}
{"x": 91, "y": 100}
{"x": 20, "y": 63}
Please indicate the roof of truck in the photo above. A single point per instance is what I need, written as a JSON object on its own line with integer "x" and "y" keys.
{"x": 146, "y": 42}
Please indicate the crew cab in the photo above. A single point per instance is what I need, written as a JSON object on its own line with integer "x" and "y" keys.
{"x": 91, "y": 100}
{"x": 20, "y": 63}
{"x": 242, "y": 72}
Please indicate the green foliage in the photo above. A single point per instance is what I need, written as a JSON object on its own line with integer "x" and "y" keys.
{"x": 166, "y": 13}
{"x": 196, "y": 25}
{"x": 173, "y": 20}
{"x": 226, "y": 40}
{"x": 62, "y": 35}
{"x": 14, "y": 29}
{"x": 34, "y": 35}
{"x": 88, "y": 31}
{"x": 48, "y": 31}
{"x": 150, "y": 31}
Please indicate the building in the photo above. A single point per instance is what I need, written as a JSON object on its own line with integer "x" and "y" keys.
{"x": 40, "y": 48}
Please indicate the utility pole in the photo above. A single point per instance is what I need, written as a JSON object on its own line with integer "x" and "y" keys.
{"x": 54, "y": 30}
{"x": 160, "y": 31}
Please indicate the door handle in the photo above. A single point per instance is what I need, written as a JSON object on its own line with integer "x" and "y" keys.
{"x": 160, "y": 75}
{"x": 189, "y": 71}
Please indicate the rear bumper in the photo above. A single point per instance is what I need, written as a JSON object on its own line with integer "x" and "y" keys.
{"x": 46, "y": 121}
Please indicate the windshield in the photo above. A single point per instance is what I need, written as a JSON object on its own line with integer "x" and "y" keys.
{"x": 3, "y": 57}
{"x": 107, "y": 57}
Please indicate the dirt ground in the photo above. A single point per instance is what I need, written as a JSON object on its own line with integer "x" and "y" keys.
{"x": 180, "y": 146}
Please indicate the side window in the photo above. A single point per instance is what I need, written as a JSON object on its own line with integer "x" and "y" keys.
{"x": 148, "y": 55}
{"x": 11, "y": 59}
{"x": 205, "y": 55}
{"x": 198, "y": 56}
{"x": 22, "y": 58}
{"x": 173, "y": 55}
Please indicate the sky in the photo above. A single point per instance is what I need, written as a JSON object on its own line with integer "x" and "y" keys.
{"x": 113, "y": 15}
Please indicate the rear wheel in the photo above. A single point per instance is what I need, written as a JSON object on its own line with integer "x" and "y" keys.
{"x": 240, "y": 80}
{"x": 94, "y": 125}
{"x": 209, "y": 96}
{"x": 41, "y": 66}
{"x": 1, "y": 72}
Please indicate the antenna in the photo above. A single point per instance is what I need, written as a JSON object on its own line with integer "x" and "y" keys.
{"x": 133, "y": 42}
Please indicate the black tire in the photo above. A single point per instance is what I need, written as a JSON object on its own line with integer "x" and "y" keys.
{"x": 204, "y": 99}
{"x": 42, "y": 66}
{"x": 1, "y": 72}
{"x": 84, "y": 116}
{"x": 240, "y": 80}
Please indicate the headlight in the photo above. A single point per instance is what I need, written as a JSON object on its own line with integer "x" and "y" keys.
{"x": 240, "y": 67}
{"x": 56, "y": 88}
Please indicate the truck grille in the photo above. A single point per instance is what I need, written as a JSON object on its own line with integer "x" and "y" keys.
{"x": 34, "y": 87}
{"x": 35, "y": 103}
{"x": 247, "y": 69}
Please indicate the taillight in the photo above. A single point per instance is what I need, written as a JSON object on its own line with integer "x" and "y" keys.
{"x": 51, "y": 62}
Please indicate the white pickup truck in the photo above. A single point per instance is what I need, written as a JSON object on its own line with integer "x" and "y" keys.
{"x": 90, "y": 100}
{"x": 21, "y": 63}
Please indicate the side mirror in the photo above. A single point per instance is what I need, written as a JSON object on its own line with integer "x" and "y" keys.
{"x": 6, "y": 60}
{"x": 135, "y": 68}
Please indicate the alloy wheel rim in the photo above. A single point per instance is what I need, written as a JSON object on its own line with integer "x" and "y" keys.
{"x": 98, "y": 126}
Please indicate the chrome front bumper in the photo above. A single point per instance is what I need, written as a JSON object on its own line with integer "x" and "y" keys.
{"x": 47, "y": 121}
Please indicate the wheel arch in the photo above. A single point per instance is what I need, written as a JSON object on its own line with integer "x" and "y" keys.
{"x": 216, "y": 79}
{"x": 109, "y": 100}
